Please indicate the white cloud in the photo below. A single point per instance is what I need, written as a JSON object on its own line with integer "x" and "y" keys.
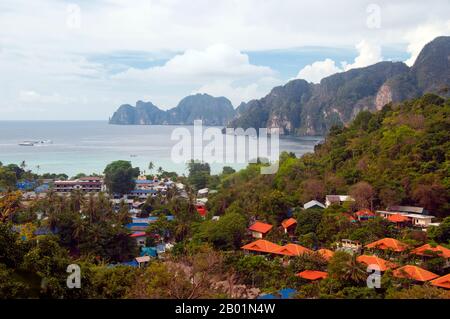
{"x": 216, "y": 61}
{"x": 422, "y": 35}
{"x": 318, "y": 70}
{"x": 368, "y": 54}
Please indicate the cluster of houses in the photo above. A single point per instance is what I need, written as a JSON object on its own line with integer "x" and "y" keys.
{"x": 402, "y": 216}
{"x": 412, "y": 272}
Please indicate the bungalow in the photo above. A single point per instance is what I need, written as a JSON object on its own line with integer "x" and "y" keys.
{"x": 442, "y": 282}
{"x": 292, "y": 250}
{"x": 312, "y": 275}
{"x": 417, "y": 216}
{"x": 337, "y": 199}
{"x": 142, "y": 261}
{"x": 382, "y": 264}
{"x": 429, "y": 251}
{"x": 388, "y": 244}
{"x": 350, "y": 246}
{"x": 365, "y": 214}
{"x": 261, "y": 246}
{"x": 399, "y": 220}
{"x": 414, "y": 273}
{"x": 313, "y": 204}
{"x": 259, "y": 229}
{"x": 289, "y": 225}
{"x": 140, "y": 237}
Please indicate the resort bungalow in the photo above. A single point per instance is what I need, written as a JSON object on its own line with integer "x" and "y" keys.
{"x": 442, "y": 282}
{"x": 292, "y": 250}
{"x": 259, "y": 229}
{"x": 414, "y": 273}
{"x": 85, "y": 184}
{"x": 261, "y": 246}
{"x": 289, "y": 225}
{"x": 388, "y": 244}
{"x": 312, "y": 275}
{"x": 337, "y": 199}
{"x": 313, "y": 204}
{"x": 417, "y": 216}
{"x": 382, "y": 264}
{"x": 365, "y": 214}
{"x": 432, "y": 251}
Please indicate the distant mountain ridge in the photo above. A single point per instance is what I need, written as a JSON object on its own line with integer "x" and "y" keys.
{"x": 214, "y": 111}
{"x": 302, "y": 108}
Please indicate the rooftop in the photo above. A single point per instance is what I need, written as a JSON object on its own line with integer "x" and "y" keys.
{"x": 428, "y": 250}
{"x": 292, "y": 250}
{"x": 312, "y": 274}
{"x": 443, "y": 282}
{"x": 374, "y": 260}
{"x": 288, "y": 222}
{"x": 260, "y": 227}
{"x": 388, "y": 244}
{"x": 415, "y": 273}
{"x": 262, "y": 245}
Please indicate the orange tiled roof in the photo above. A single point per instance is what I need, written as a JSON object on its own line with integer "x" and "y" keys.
{"x": 443, "y": 282}
{"x": 262, "y": 245}
{"x": 397, "y": 218}
{"x": 288, "y": 222}
{"x": 388, "y": 243}
{"x": 414, "y": 273}
{"x": 292, "y": 250}
{"x": 326, "y": 253}
{"x": 427, "y": 248}
{"x": 260, "y": 227}
{"x": 374, "y": 260}
{"x": 312, "y": 274}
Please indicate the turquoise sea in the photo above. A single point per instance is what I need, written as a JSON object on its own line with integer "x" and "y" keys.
{"x": 88, "y": 146}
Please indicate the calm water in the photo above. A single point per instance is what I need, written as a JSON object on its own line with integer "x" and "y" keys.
{"x": 88, "y": 146}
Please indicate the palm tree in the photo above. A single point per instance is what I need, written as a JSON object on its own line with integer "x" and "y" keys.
{"x": 354, "y": 271}
{"x": 151, "y": 166}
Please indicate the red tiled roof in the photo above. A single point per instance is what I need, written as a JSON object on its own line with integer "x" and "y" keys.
{"x": 374, "y": 260}
{"x": 260, "y": 227}
{"x": 364, "y": 212}
{"x": 426, "y": 250}
{"x": 138, "y": 234}
{"x": 288, "y": 222}
{"x": 414, "y": 273}
{"x": 326, "y": 253}
{"x": 397, "y": 218}
{"x": 312, "y": 274}
{"x": 261, "y": 245}
{"x": 443, "y": 282}
{"x": 292, "y": 250}
{"x": 388, "y": 244}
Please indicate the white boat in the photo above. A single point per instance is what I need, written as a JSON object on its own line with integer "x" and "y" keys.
{"x": 26, "y": 144}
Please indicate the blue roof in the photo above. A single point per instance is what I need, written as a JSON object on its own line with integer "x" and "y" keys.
{"x": 285, "y": 293}
{"x": 41, "y": 189}
{"x": 143, "y": 181}
{"x": 143, "y": 191}
{"x": 132, "y": 263}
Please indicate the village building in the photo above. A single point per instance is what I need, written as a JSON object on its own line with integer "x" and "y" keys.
{"x": 417, "y": 216}
{"x": 382, "y": 264}
{"x": 261, "y": 246}
{"x": 388, "y": 244}
{"x": 259, "y": 229}
{"x": 313, "y": 204}
{"x": 289, "y": 225}
{"x": 87, "y": 184}
{"x": 414, "y": 273}
{"x": 442, "y": 282}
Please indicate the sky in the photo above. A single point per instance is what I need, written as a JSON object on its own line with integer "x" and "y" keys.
{"x": 80, "y": 60}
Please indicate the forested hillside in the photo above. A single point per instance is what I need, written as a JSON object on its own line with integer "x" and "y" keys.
{"x": 399, "y": 155}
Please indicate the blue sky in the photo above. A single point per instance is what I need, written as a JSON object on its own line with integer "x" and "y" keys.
{"x": 82, "y": 59}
